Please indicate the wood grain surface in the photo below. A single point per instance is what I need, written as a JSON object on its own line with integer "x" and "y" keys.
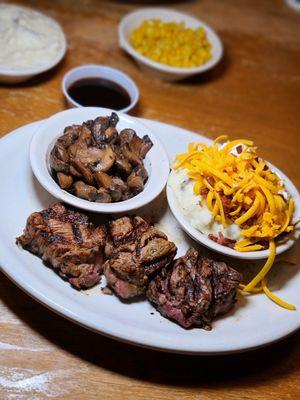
{"x": 254, "y": 93}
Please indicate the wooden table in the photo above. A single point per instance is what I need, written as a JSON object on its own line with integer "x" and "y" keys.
{"x": 254, "y": 93}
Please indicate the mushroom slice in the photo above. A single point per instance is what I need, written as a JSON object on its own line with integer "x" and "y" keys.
{"x": 127, "y": 194}
{"x": 103, "y": 180}
{"x": 71, "y": 134}
{"x": 103, "y": 196}
{"x": 86, "y": 135}
{"x": 137, "y": 179}
{"x": 139, "y": 146}
{"x": 123, "y": 166}
{"x": 75, "y": 147}
{"x": 85, "y": 191}
{"x": 55, "y": 161}
{"x": 64, "y": 181}
{"x": 130, "y": 155}
{"x": 61, "y": 153}
{"x": 99, "y": 126}
{"x": 85, "y": 171}
{"x": 127, "y": 135}
{"x": 110, "y": 134}
{"x": 74, "y": 172}
{"x": 90, "y": 155}
{"x": 113, "y": 119}
{"x": 100, "y": 129}
{"x": 97, "y": 159}
{"x": 135, "y": 184}
{"x": 118, "y": 189}
{"x": 107, "y": 160}
{"x": 141, "y": 171}
{"x": 146, "y": 146}
{"x": 114, "y": 185}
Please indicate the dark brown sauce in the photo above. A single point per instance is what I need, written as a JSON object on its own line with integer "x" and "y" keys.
{"x": 99, "y": 92}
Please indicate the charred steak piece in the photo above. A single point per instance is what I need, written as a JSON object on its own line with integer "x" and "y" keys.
{"x": 136, "y": 252}
{"x": 193, "y": 290}
{"x": 68, "y": 242}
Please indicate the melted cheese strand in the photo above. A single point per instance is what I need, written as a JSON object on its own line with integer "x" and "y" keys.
{"x": 275, "y": 298}
{"x": 263, "y": 272}
{"x": 236, "y": 211}
{"x": 221, "y": 138}
{"x": 257, "y": 289}
{"x": 248, "y": 214}
{"x": 253, "y": 247}
{"x": 220, "y": 204}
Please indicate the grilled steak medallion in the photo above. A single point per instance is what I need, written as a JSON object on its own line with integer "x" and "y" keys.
{"x": 193, "y": 290}
{"x": 68, "y": 242}
{"x": 136, "y": 251}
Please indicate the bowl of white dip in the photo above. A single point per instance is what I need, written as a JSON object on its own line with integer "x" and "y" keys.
{"x": 30, "y": 43}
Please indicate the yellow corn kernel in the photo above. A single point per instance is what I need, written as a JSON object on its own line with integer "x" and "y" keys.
{"x": 172, "y": 43}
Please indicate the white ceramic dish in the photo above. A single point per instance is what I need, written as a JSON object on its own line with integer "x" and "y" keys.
{"x": 254, "y": 322}
{"x": 156, "y": 161}
{"x": 293, "y": 4}
{"x": 12, "y": 76}
{"x": 253, "y": 255}
{"x": 100, "y": 71}
{"x": 133, "y": 20}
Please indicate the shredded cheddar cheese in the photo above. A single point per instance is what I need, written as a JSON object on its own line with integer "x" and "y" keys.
{"x": 275, "y": 298}
{"x": 239, "y": 188}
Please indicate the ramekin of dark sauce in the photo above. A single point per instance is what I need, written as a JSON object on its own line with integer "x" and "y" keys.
{"x": 99, "y": 86}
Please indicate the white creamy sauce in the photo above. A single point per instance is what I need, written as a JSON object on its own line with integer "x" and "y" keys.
{"x": 194, "y": 207}
{"x": 28, "y": 39}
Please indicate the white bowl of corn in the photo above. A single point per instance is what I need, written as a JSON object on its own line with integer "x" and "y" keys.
{"x": 169, "y": 44}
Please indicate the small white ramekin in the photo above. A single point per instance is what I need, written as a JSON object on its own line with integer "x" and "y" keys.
{"x": 203, "y": 239}
{"x": 156, "y": 161}
{"x": 133, "y": 20}
{"x": 12, "y": 76}
{"x": 100, "y": 71}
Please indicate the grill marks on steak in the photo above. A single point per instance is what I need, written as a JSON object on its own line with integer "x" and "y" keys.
{"x": 193, "y": 290}
{"x": 136, "y": 252}
{"x": 68, "y": 242}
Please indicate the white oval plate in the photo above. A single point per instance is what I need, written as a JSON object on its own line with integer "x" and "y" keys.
{"x": 156, "y": 161}
{"x": 254, "y": 322}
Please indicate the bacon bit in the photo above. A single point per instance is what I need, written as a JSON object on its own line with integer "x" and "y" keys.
{"x": 204, "y": 192}
{"x": 249, "y": 223}
{"x": 224, "y": 241}
{"x": 210, "y": 180}
{"x": 239, "y": 149}
{"x": 226, "y": 204}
